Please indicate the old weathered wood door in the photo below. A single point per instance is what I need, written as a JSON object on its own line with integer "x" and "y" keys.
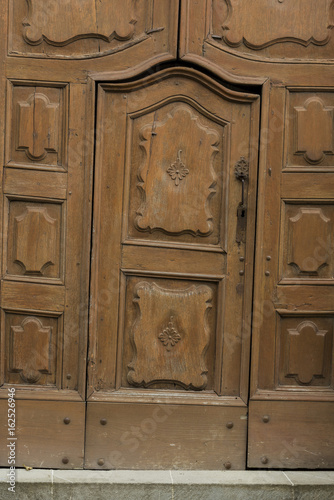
{"x": 130, "y": 185}
{"x": 173, "y": 248}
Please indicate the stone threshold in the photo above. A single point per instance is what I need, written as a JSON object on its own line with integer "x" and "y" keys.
{"x": 168, "y": 485}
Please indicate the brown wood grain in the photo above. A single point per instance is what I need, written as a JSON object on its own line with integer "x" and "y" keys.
{"x": 35, "y": 183}
{"x": 281, "y": 437}
{"x": 43, "y": 439}
{"x": 32, "y": 296}
{"x": 186, "y": 262}
{"x": 179, "y": 437}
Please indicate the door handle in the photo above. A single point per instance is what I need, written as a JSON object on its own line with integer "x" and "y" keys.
{"x": 241, "y": 171}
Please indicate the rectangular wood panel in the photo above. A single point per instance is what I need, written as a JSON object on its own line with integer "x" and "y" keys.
{"x": 139, "y": 436}
{"x": 35, "y": 183}
{"x": 309, "y": 137}
{"x": 43, "y": 439}
{"x": 291, "y": 435}
{"x": 307, "y": 230}
{"x": 312, "y": 298}
{"x": 313, "y": 186}
{"x": 304, "y": 352}
{"x": 32, "y": 296}
{"x": 153, "y": 258}
{"x": 181, "y": 337}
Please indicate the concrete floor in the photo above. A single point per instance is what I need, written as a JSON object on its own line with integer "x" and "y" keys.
{"x": 168, "y": 485}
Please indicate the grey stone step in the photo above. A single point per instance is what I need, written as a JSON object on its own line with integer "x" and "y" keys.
{"x": 168, "y": 485}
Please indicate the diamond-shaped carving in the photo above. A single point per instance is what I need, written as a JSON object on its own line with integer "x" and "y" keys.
{"x": 170, "y": 336}
{"x": 178, "y": 170}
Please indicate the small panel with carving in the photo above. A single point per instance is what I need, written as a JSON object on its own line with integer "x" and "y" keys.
{"x": 171, "y": 324}
{"x": 308, "y": 242}
{"x": 175, "y": 170}
{"x": 37, "y": 126}
{"x": 32, "y": 349}
{"x": 34, "y": 240}
{"x": 310, "y": 130}
{"x": 273, "y": 30}
{"x": 305, "y": 351}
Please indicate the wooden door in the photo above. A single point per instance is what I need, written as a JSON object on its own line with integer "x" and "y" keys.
{"x": 172, "y": 271}
{"x": 171, "y": 274}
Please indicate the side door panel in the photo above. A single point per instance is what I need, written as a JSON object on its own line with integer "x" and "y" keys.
{"x": 292, "y": 398}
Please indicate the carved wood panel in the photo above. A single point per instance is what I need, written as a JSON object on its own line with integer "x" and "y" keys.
{"x": 305, "y": 354}
{"x": 310, "y": 130}
{"x": 172, "y": 323}
{"x": 279, "y": 27}
{"x": 76, "y": 27}
{"x": 97, "y": 20}
{"x": 307, "y": 235}
{"x": 273, "y": 29}
{"x": 81, "y": 29}
{"x": 34, "y": 248}
{"x": 33, "y": 349}
{"x": 37, "y": 126}
{"x": 177, "y": 169}
{"x": 249, "y": 42}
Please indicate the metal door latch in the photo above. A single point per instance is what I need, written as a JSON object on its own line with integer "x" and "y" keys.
{"x": 241, "y": 171}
